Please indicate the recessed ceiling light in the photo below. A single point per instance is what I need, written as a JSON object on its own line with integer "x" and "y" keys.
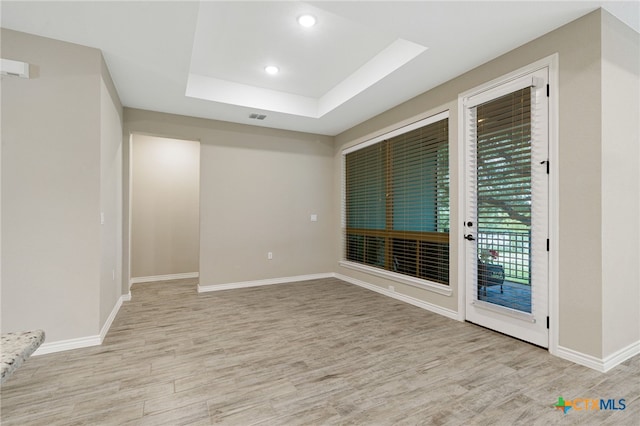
{"x": 271, "y": 69}
{"x": 307, "y": 20}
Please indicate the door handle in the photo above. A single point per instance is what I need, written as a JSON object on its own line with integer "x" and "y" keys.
{"x": 469, "y": 237}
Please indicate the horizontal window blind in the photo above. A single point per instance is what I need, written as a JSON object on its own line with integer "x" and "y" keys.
{"x": 397, "y": 203}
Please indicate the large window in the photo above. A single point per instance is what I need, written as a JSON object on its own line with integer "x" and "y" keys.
{"x": 397, "y": 202}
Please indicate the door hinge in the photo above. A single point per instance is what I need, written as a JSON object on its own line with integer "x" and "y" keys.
{"x": 547, "y": 163}
{"x": 547, "y": 244}
{"x": 547, "y": 90}
{"x": 547, "y": 323}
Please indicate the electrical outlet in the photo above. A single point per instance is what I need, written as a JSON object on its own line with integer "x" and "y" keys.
{"x": 270, "y": 256}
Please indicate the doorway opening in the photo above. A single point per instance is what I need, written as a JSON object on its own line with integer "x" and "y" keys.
{"x": 164, "y": 208}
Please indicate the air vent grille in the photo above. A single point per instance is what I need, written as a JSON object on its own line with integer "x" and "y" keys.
{"x": 255, "y": 116}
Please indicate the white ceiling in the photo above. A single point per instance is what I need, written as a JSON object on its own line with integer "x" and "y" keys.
{"x": 207, "y": 59}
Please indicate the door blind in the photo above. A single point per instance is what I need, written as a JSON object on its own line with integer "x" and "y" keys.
{"x": 504, "y": 182}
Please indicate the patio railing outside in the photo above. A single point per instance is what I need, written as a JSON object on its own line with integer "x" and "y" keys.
{"x": 513, "y": 253}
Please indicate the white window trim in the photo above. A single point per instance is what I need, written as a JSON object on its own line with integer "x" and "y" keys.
{"x": 445, "y": 290}
{"x": 399, "y": 131}
{"x": 400, "y": 278}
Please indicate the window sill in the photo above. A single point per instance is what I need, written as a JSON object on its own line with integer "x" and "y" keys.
{"x": 403, "y": 279}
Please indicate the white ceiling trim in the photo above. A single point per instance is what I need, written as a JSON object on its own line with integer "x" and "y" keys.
{"x": 231, "y": 93}
{"x": 390, "y": 59}
{"x": 399, "y": 53}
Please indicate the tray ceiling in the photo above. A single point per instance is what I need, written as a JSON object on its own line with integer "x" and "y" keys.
{"x": 207, "y": 59}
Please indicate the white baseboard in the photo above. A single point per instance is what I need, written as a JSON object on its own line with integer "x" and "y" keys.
{"x": 110, "y": 318}
{"x": 599, "y": 364}
{"x": 580, "y": 358}
{"x": 402, "y": 297}
{"x": 245, "y": 284}
{"x": 65, "y": 345}
{"x": 164, "y": 277}
{"x": 83, "y": 342}
{"x": 621, "y": 356}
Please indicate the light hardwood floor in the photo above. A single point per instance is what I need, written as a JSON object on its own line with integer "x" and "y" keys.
{"x": 316, "y": 352}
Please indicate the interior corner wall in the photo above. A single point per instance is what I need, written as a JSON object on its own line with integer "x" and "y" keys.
{"x": 258, "y": 188}
{"x": 165, "y": 206}
{"x": 578, "y": 46}
{"x": 620, "y": 185}
{"x": 51, "y": 188}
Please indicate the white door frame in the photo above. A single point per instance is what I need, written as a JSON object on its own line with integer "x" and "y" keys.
{"x": 550, "y": 62}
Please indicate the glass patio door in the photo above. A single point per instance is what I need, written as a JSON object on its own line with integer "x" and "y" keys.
{"x": 506, "y": 223}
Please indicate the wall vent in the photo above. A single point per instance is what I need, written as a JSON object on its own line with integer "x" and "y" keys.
{"x": 257, "y": 116}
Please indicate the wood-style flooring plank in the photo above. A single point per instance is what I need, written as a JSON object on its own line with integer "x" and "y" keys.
{"x": 309, "y": 353}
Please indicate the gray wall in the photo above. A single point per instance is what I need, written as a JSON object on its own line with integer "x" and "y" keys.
{"x": 52, "y": 135}
{"x": 258, "y": 188}
{"x": 587, "y": 161}
{"x": 620, "y": 184}
{"x": 165, "y": 206}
